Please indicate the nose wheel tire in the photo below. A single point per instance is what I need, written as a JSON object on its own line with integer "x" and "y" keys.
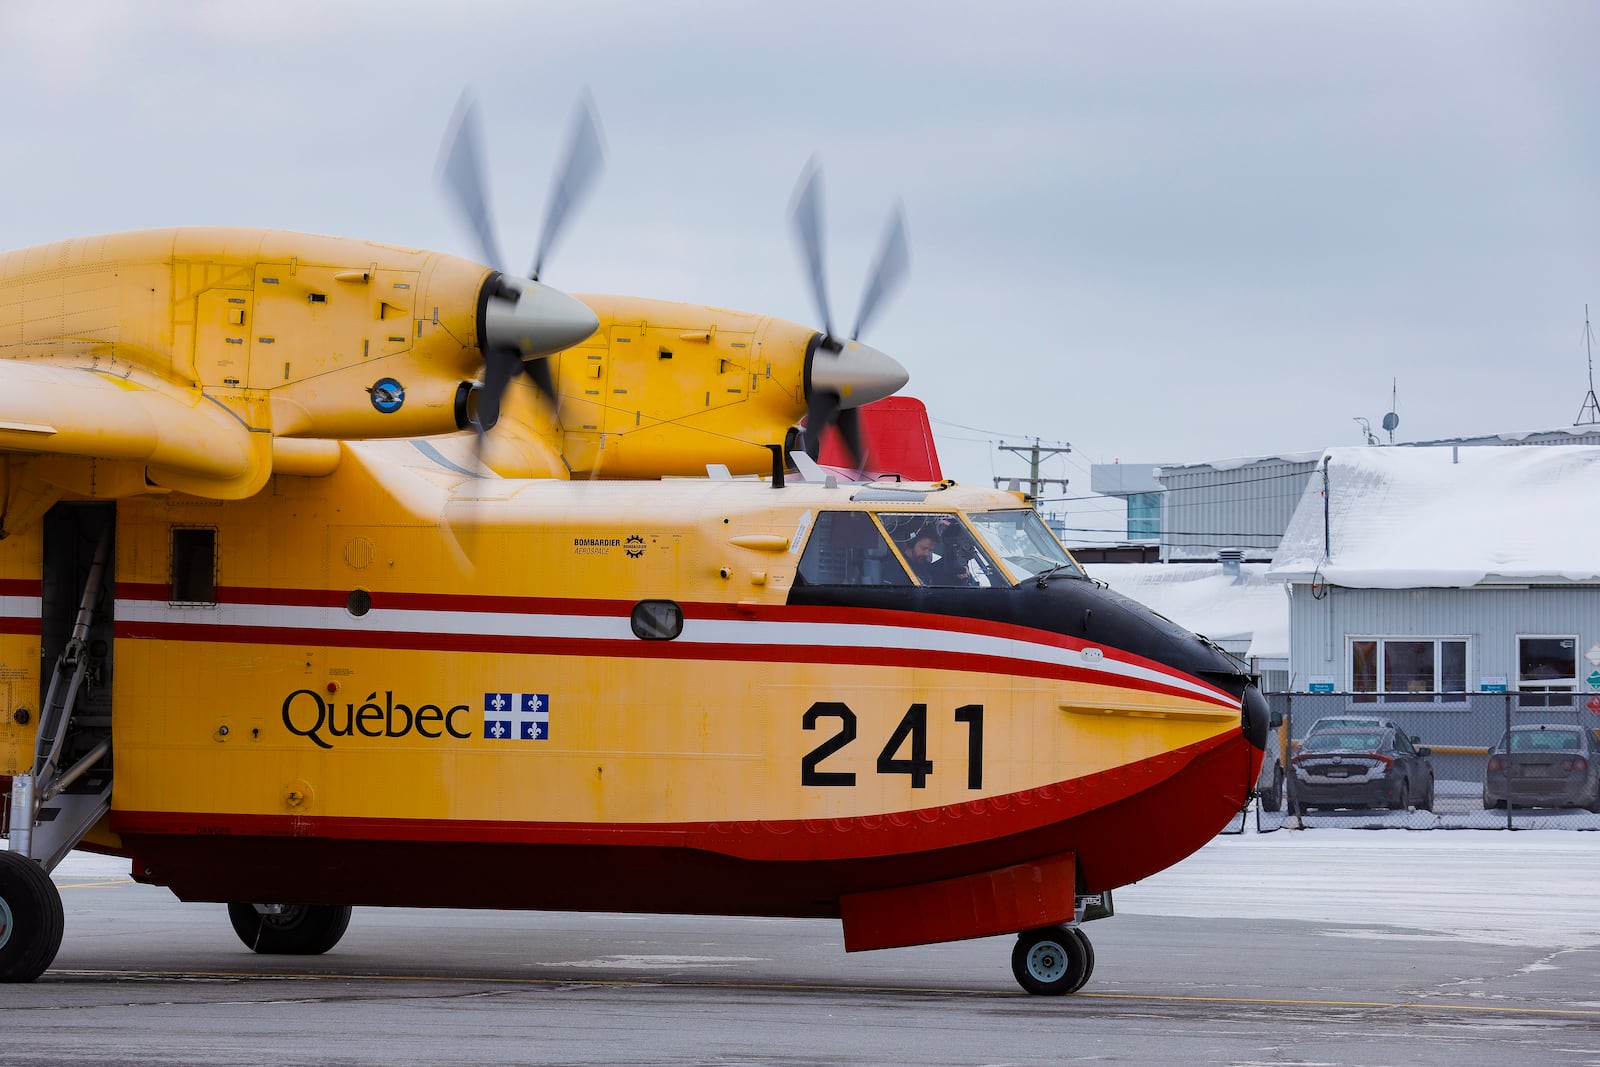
{"x": 30, "y": 919}
{"x": 294, "y": 930}
{"x": 1052, "y": 961}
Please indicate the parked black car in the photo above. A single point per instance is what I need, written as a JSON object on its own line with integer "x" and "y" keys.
{"x": 1544, "y": 765}
{"x": 1366, "y": 766}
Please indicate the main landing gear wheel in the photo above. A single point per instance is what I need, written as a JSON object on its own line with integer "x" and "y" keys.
{"x": 1052, "y": 961}
{"x": 292, "y": 930}
{"x": 30, "y": 919}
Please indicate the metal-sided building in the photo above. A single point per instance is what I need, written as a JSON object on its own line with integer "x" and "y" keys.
{"x": 1193, "y": 510}
{"x": 1424, "y": 576}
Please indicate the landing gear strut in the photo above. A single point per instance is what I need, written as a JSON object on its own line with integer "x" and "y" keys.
{"x": 1052, "y": 961}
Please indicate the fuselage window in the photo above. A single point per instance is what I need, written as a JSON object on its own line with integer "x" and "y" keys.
{"x": 656, "y": 620}
{"x": 194, "y": 565}
{"x": 847, "y": 548}
{"x": 941, "y": 550}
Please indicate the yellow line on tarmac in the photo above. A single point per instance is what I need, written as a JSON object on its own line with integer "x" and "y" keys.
{"x": 94, "y": 885}
{"x": 812, "y": 987}
{"x": 1427, "y": 1005}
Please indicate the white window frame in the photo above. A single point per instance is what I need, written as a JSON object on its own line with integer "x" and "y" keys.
{"x": 1548, "y": 685}
{"x": 1380, "y": 698}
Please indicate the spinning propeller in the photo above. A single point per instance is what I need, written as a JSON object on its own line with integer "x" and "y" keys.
{"x": 843, "y": 375}
{"x": 520, "y": 320}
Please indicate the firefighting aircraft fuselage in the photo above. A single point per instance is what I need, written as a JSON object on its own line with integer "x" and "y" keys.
{"x": 280, "y": 668}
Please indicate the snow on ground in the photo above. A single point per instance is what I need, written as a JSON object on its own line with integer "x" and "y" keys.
{"x": 1518, "y": 887}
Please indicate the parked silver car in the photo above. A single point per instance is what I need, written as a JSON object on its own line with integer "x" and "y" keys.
{"x": 1544, "y": 765}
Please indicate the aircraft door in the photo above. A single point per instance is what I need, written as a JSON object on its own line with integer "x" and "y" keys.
{"x": 68, "y": 790}
{"x": 72, "y": 535}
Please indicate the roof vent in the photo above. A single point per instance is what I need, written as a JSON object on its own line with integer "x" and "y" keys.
{"x": 1230, "y": 558}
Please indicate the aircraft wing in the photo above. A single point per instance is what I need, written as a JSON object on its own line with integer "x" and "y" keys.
{"x": 182, "y": 438}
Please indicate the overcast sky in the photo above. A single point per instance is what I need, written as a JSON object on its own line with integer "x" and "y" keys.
{"x": 1160, "y": 231}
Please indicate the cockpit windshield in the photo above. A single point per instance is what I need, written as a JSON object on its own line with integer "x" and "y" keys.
{"x": 850, "y": 548}
{"x": 1021, "y": 541}
{"x": 847, "y": 548}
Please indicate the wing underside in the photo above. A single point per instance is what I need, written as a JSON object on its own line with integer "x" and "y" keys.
{"x": 184, "y": 439}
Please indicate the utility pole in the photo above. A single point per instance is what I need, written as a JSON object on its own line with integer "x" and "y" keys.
{"x": 1034, "y": 451}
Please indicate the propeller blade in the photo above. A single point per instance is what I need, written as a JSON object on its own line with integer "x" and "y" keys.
{"x": 499, "y": 366}
{"x": 585, "y": 154}
{"x": 538, "y": 372}
{"x": 888, "y": 272}
{"x": 805, "y": 216}
{"x": 460, "y": 172}
{"x": 850, "y": 431}
{"x": 822, "y": 408}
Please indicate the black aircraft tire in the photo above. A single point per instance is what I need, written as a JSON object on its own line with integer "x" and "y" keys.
{"x": 299, "y": 930}
{"x": 1052, "y": 961}
{"x": 1088, "y": 957}
{"x": 1272, "y": 799}
{"x": 31, "y": 921}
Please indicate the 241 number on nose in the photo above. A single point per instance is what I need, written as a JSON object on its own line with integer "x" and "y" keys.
{"x": 911, "y": 733}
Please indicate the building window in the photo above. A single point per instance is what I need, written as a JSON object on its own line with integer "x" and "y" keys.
{"x": 1547, "y": 672}
{"x": 1144, "y": 516}
{"x": 1408, "y": 670}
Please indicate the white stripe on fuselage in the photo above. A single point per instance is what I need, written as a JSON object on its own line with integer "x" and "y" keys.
{"x": 748, "y": 632}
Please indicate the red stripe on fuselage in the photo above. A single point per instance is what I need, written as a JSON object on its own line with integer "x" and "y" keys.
{"x": 919, "y": 830}
{"x": 621, "y": 609}
{"x": 1122, "y": 825}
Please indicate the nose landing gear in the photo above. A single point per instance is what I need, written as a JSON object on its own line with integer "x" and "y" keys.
{"x": 1052, "y": 961}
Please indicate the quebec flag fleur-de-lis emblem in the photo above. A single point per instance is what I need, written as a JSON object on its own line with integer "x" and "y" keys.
{"x": 516, "y": 716}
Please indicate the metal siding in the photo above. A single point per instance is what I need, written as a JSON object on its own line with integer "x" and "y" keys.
{"x": 1492, "y": 619}
{"x": 1205, "y": 509}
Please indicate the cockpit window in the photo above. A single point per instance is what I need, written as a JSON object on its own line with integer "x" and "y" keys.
{"x": 847, "y": 548}
{"x": 1023, "y": 543}
{"x": 941, "y": 550}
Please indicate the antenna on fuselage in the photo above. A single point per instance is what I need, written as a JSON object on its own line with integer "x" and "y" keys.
{"x": 777, "y": 465}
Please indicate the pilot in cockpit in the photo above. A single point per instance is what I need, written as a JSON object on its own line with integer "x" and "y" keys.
{"x": 943, "y": 560}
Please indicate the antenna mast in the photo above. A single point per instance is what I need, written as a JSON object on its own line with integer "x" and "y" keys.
{"x": 1590, "y": 404}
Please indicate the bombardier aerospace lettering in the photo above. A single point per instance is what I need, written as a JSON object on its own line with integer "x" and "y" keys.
{"x": 384, "y": 508}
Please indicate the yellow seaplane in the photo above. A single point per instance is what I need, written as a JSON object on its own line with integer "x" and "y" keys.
{"x": 339, "y": 574}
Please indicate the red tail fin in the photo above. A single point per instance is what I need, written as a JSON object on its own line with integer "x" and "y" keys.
{"x": 899, "y": 441}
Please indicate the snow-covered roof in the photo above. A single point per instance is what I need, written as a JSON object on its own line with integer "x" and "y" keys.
{"x": 1405, "y": 518}
{"x": 1248, "y": 616}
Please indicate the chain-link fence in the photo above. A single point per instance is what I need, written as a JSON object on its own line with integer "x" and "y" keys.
{"x": 1431, "y": 760}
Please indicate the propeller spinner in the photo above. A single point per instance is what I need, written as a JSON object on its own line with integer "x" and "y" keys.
{"x": 842, "y": 375}
{"x": 520, "y": 321}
